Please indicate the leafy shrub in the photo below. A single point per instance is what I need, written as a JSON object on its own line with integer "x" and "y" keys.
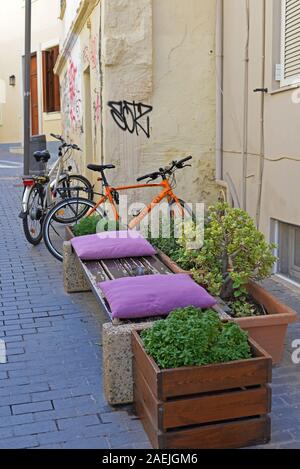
{"x": 95, "y": 224}
{"x": 234, "y": 252}
{"x": 86, "y": 226}
{"x": 192, "y": 337}
{"x": 172, "y": 246}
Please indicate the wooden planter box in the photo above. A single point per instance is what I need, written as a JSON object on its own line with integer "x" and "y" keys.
{"x": 268, "y": 331}
{"x": 216, "y": 406}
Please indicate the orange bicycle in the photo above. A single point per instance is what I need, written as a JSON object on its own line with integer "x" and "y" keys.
{"x": 54, "y": 225}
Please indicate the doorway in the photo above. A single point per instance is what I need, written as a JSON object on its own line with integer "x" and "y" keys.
{"x": 34, "y": 96}
{"x": 88, "y": 118}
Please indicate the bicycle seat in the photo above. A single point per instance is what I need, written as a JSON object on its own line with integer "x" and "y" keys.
{"x": 43, "y": 156}
{"x": 100, "y": 167}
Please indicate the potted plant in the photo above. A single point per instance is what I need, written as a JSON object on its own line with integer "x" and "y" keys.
{"x": 234, "y": 256}
{"x": 200, "y": 383}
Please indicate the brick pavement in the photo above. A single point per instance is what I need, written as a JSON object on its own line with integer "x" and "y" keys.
{"x": 51, "y": 387}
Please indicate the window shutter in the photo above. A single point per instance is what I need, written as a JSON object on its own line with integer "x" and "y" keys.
{"x": 56, "y": 85}
{"x": 290, "y": 49}
{"x": 51, "y": 89}
{"x": 45, "y": 81}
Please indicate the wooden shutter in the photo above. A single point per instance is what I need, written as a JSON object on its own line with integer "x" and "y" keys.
{"x": 290, "y": 49}
{"x": 51, "y": 89}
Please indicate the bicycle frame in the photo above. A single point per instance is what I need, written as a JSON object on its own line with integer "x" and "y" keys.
{"x": 58, "y": 169}
{"x": 167, "y": 192}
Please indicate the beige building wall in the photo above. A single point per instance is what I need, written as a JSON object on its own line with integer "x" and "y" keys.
{"x": 243, "y": 112}
{"x": 155, "y": 53}
{"x": 45, "y": 34}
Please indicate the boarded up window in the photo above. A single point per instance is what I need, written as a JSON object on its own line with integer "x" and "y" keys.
{"x": 290, "y": 49}
{"x": 50, "y": 81}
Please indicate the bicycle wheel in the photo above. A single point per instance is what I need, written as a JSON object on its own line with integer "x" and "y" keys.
{"x": 33, "y": 222}
{"x": 54, "y": 231}
{"x": 74, "y": 186}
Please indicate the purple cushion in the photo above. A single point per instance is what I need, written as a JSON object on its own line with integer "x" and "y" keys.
{"x": 112, "y": 245}
{"x": 153, "y": 295}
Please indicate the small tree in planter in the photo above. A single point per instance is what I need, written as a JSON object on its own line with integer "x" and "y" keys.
{"x": 234, "y": 253}
{"x": 234, "y": 256}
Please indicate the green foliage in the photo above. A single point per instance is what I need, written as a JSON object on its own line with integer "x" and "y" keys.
{"x": 172, "y": 245}
{"x": 242, "y": 309}
{"x": 192, "y": 337}
{"x": 86, "y": 226}
{"x": 109, "y": 225}
{"x": 95, "y": 224}
{"x": 232, "y": 247}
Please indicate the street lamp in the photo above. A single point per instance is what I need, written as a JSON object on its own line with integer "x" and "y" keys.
{"x": 27, "y": 94}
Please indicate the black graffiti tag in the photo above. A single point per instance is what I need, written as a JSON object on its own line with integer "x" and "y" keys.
{"x": 131, "y": 116}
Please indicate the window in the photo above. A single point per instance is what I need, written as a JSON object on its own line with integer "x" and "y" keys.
{"x": 289, "y": 251}
{"x": 290, "y": 42}
{"x": 50, "y": 81}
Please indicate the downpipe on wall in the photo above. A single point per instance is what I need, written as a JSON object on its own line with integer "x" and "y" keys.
{"x": 262, "y": 120}
{"x": 219, "y": 87}
{"x": 245, "y": 111}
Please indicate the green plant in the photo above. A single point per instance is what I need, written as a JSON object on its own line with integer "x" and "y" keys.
{"x": 242, "y": 309}
{"x": 95, "y": 224}
{"x": 170, "y": 244}
{"x": 192, "y": 337}
{"x": 234, "y": 252}
{"x": 86, "y": 226}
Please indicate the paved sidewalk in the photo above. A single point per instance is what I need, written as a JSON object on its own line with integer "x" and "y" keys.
{"x": 51, "y": 388}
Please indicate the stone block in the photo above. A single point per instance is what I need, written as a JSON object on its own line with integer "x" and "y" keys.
{"x": 74, "y": 278}
{"x": 117, "y": 361}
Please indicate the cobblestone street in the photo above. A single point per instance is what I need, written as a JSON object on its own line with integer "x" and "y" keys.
{"x": 51, "y": 387}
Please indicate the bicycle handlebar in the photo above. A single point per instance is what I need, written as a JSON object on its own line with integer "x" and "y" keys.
{"x": 149, "y": 176}
{"x": 164, "y": 171}
{"x": 65, "y": 144}
{"x": 57, "y": 137}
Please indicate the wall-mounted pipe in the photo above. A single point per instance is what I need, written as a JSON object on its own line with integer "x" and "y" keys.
{"x": 219, "y": 87}
{"x": 245, "y": 113}
{"x": 262, "y": 120}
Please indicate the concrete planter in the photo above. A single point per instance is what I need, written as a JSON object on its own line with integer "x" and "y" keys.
{"x": 224, "y": 405}
{"x": 69, "y": 233}
{"x": 268, "y": 331}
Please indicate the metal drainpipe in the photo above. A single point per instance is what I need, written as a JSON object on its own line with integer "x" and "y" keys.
{"x": 219, "y": 88}
{"x": 262, "y": 134}
{"x": 245, "y": 118}
{"x": 27, "y": 93}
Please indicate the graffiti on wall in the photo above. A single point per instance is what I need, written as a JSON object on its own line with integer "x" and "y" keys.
{"x": 97, "y": 111}
{"x": 90, "y": 54}
{"x": 131, "y": 117}
{"x": 71, "y": 99}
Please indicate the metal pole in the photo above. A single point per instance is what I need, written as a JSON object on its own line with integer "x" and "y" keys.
{"x": 27, "y": 93}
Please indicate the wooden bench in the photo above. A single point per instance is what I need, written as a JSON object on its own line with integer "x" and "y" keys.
{"x": 82, "y": 276}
